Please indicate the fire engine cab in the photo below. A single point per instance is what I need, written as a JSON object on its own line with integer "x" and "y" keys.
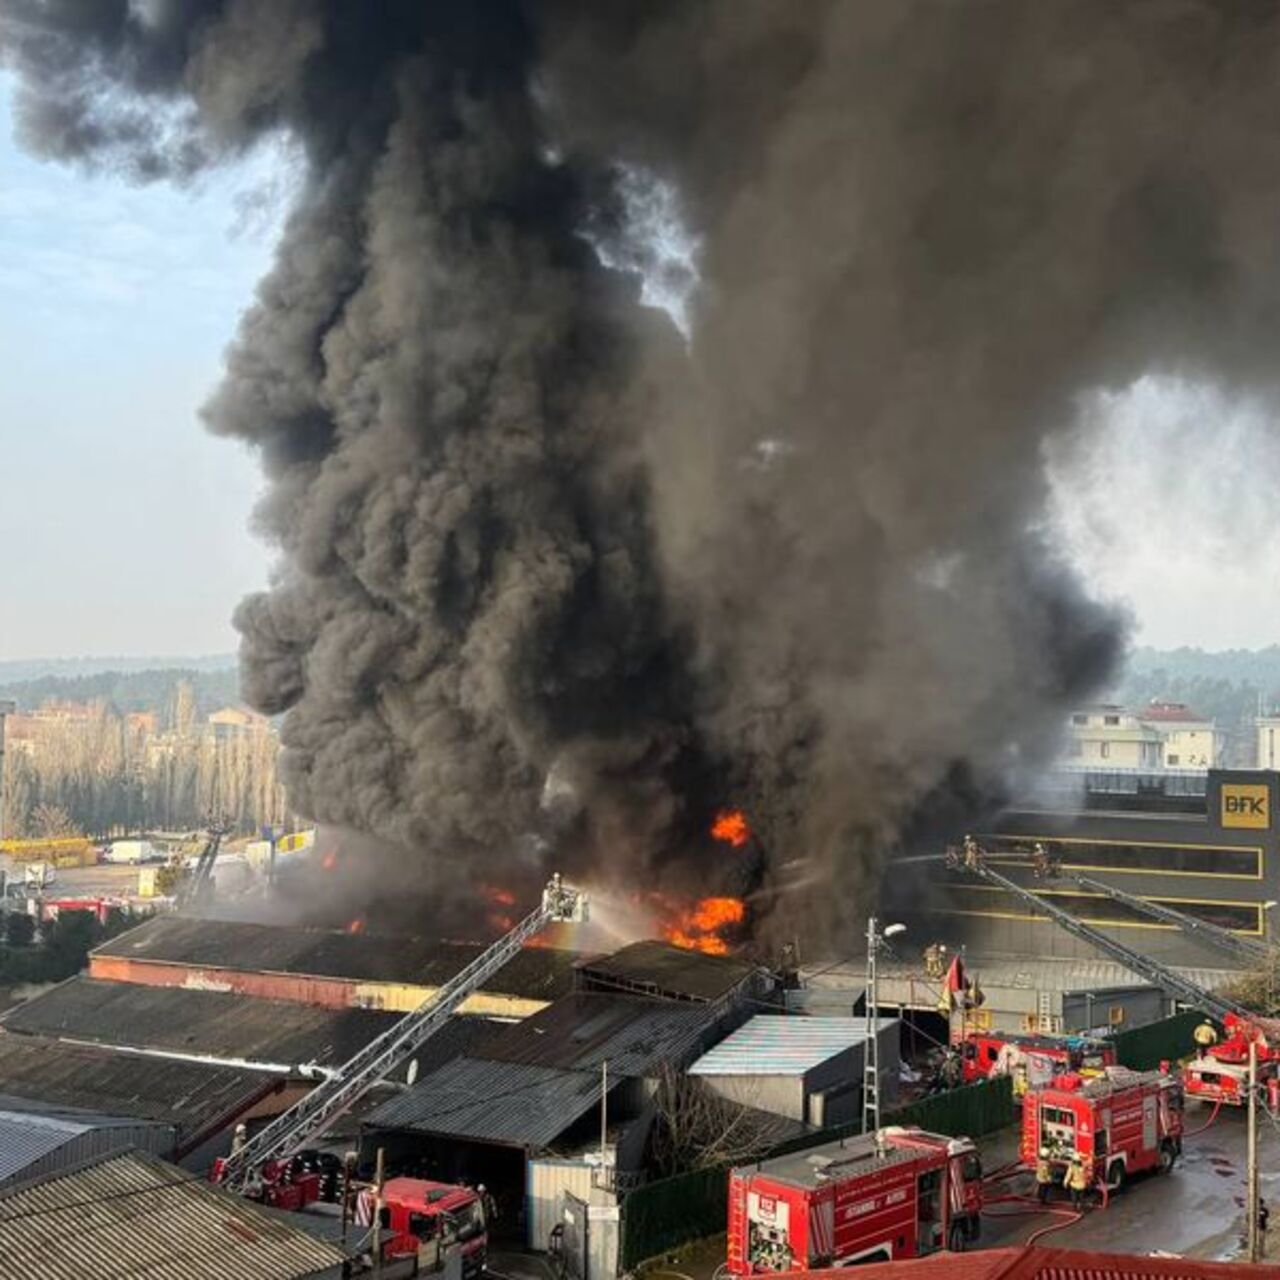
{"x": 1220, "y": 1070}
{"x": 899, "y": 1193}
{"x": 423, "y": 1219}
{"x": 1119, "y": 1124}
{"x": 1030, "y": 1059}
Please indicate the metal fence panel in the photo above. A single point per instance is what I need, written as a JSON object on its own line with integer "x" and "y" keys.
{"x": 1144, "y": 1048}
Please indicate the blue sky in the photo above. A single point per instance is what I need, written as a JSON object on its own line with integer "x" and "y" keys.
{"x": 123, "y": 525}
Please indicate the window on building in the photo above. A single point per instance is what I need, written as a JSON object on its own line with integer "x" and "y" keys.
{"x": 1113, "y": 720}
{"x": 1115, "y": 1014}
{"x": 1104, "y": 750}
{"x": 1079, "y": 719}
{"x": 1173, "y": 760}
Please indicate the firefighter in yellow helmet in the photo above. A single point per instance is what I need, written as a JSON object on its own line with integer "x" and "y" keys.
{"x": 1077, "y": 1181}
{"x": 1044, "y": 1177}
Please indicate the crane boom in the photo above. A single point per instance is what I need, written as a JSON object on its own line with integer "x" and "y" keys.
{"x": 1212, "y": 934}
{"x": 312, "y": 1114}
{"x": 1159, "y": 975}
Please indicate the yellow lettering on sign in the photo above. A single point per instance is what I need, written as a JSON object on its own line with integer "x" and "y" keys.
{"x": 1246, "y": 804}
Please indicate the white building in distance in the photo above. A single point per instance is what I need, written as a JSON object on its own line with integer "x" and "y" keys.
{"x": 1161, "y": 735}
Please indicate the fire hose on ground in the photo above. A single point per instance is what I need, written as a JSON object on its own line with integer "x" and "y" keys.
{"x": 1213, "y": 1115}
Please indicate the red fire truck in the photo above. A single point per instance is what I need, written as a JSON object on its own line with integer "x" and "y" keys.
{"x": 1119, "y": 1124}
{"x": 1032, "y": 1060}
{"x": 422, "y": 1219}
{"x": 901, "y": 1193}
{"x": 1220, "y": 1070}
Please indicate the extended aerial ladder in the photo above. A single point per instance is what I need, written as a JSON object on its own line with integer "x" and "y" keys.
{"x": 196, "y": 886}
{"x": 972, "y": 860}
{"x": 314, "y": 1113}
{"x": 1212, "y": 934}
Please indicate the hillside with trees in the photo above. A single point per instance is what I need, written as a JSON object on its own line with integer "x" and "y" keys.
{"x": 1229, "y": 687}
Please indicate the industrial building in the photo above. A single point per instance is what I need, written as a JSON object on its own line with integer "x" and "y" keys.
{"x": 806, "y": 1068}
{"x": 35, "y": 1143}
{"x": 1207, "y": 845}
{"x": 335, "y": 969}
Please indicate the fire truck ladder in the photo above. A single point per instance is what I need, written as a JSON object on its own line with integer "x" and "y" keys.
{"x": 1213, "y": 934}
{"x": 323, "y": 1105}
{"x": 197, "y": 884}
{"x": 1173, "y": 984}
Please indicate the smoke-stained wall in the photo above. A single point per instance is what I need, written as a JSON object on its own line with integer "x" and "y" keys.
{"x": 552, "y": 575}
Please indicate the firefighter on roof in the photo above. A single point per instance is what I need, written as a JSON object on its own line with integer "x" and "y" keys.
{"x": 972, "y": 854}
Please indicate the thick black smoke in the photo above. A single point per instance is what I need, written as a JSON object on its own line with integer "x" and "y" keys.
{"x": 549, "y": 573}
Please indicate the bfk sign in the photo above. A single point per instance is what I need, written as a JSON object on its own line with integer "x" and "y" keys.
{"x": 1246, "y": 804}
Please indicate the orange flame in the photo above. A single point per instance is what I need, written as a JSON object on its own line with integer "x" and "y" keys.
{"x": 329, "y": 861}
{"x": 701, "y": 927}
{"x": 731, "y": 828}
{"x": 356, "y": 925}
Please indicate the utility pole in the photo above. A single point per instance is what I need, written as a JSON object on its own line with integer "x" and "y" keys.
{"x": 871, "y": 1034}
{"x": 1251, "y": 1177}
{"x": 871, "y": 1041}
{"x": 379, "y": 1178}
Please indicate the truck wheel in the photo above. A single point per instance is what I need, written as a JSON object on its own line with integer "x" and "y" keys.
{"x": 1168, "y": 1155}
{"x": 956, "y": 1238}
{"x": 1115, "y": 1177}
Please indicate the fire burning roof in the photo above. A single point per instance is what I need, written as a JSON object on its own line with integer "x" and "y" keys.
{"x": 191, "y": 1096}
{"x": 215, "y": 1023}
{"x": 537, "y": 972}
{"x": 660, "y": 969}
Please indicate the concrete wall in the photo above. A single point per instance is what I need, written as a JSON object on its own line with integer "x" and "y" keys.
{"x": 779, "y": 1095}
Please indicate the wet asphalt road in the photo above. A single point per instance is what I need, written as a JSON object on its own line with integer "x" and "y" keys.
{"x": 1197, "y": 1210}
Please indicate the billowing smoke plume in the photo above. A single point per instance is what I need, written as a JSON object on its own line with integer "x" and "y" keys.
{"x": 550, "y": 571}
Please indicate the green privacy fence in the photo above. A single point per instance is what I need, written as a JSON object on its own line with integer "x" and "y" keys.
{"x": 1144, "y": 1048}
{"x": 666, "y": 1214}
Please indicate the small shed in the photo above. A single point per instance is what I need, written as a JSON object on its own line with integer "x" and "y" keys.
{"x": 808, "y": 1069}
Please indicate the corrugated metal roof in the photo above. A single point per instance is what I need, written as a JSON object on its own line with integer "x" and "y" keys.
{"x": 777, "y": 1045}
{"x": 519, "y": 1104}
{"x": 1029, "y": 973}
{"x": 32, "y": 1142}
{"x": 536, "y": 973}
{"x": 133, "y": 1215}
{"x": 188, "y": 1095}
{"x": 579, "y": 1032}
{"x": 24, "y": 1139}
{"x": 215, "y": 1023}
{"x": 660, "y": 969}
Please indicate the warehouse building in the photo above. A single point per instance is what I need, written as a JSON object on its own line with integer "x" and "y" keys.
{"x": 336, "y": 969}
{"x": 35, "y": 1143}
{"x": 209, "y": 1025}
{"x": 1205, "y": 844}
{"x": 201, "y": 1103}
{"x": 522, "y": 1111}
{"x": 809, "y": 1069}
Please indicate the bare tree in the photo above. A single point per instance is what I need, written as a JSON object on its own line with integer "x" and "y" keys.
{"x": 50, "y": 822}
{"x": 697, "y": 1128}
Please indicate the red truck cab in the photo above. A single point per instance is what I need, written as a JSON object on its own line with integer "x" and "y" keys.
{"x": 1032, "y": 1060}
{"x": 901, "y": 1193}
{"x": 1119, "y": 1124}
{"x": 421, "y": 1218}
{"x": 1220, "y": 1070}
